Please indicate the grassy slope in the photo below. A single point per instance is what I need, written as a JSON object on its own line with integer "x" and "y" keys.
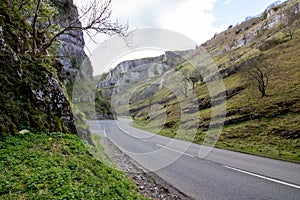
{"x": 268, "y": 135}
{"x": 276, "y": 132}
{"x": 58, "y": 166}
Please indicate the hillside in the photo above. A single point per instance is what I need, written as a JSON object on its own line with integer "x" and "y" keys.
{"x": 258, "y": 61}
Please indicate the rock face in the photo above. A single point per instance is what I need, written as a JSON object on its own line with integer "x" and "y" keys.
{"x": 72, "y": 51}
{"x": 32, "y": 91}
{"x": 77, "y": 67}
{"x": 141, "y": 70}
{"x": 31, "y": 96}
{"x": 129, "y": 75}
{"x": 253, "y": 29}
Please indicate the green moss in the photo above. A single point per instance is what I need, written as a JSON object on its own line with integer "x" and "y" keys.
{"x": 73, "y": 62}
{"x": 28, "y": 99}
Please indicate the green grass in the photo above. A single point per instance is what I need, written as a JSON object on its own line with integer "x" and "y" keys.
{"x": 57, "y": 166}
{"x": 168, "y": 132}
{"x": 98, "y": 152}
{"x": 255, "y": 137}
{"x": 274, "y": 133}
{"x": 264, "y": 137}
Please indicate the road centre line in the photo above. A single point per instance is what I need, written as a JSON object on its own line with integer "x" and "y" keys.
{"x": 131, "y": 134}
{"x": 157, "y": 144}
{"x": 263, "y": 177}
{"x": 175, "y": 150}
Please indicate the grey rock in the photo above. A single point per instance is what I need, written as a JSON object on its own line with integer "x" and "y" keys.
{"x": 74, "y": 59}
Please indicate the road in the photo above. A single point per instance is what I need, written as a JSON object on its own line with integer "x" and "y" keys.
{"x": 221, "y": 174}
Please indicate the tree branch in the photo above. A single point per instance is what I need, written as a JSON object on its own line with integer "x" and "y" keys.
{"x": 95, "y": 19}
{"x": 34, "y": 27}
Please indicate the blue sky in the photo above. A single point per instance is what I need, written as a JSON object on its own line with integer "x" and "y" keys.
{"x": 234, "y": 11}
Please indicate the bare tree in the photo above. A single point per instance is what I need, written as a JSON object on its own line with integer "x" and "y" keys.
{"x": 195, "y": 77}
{"x": 256, "y": 74}
{"x": 184, "y": 81}
{"x": 291, "y": 17}
{"x": 95, "y": 19}
{"x": 184, "y": 86}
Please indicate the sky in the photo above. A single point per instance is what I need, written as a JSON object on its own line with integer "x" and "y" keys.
{"x": 197, "y": 19}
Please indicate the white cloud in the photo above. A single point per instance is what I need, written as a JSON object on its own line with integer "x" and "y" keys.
{"x": 192, "y": 18}
{"x": 227, "y": 1}
{"x": 141, "y": 13}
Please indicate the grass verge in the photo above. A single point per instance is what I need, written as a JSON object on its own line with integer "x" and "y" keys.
{"x": 58, "y": 166}
{"x": 247, "y": 137}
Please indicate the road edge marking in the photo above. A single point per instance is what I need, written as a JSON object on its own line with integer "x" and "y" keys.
{"x": 263, "y": 177}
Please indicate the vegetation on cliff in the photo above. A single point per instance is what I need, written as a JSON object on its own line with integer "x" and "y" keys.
{"x": 32, "y": 95}
{"x": 33, "y": 72}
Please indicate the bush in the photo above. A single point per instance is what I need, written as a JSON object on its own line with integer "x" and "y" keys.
{"x": 268, "y": 44}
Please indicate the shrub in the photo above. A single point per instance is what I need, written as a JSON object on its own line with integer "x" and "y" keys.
{"x": 268, "y": 44}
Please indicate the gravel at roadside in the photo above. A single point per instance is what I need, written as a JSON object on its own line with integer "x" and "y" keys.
{"x": 150, "y": 184}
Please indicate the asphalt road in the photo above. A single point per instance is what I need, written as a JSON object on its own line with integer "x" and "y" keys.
{"x": 221, "y": 174}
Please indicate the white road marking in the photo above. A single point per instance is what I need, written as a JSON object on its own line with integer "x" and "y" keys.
{"x": 156, "y": 144}
{"x": 175, "y": 150}
{"x": 104, "y": 131}
{"x": 263, "y": 177}
{"x": 132, "y": 135}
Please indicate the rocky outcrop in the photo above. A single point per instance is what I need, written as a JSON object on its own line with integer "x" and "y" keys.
{"x": 32, "y": 89}
{"x": 253, "y": 29}
{"x": 129, "y": 75}
{"x": 72, "y": 52}
{"x": 31, "y": 97}
{"x": 141, "y": 70}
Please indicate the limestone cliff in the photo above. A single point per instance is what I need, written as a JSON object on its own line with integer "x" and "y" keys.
{"x": 33, "y": 94}
{"x": 140, "y": 70}
{"x": 254, "y": 30}
{"x": 72, "y": 51}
